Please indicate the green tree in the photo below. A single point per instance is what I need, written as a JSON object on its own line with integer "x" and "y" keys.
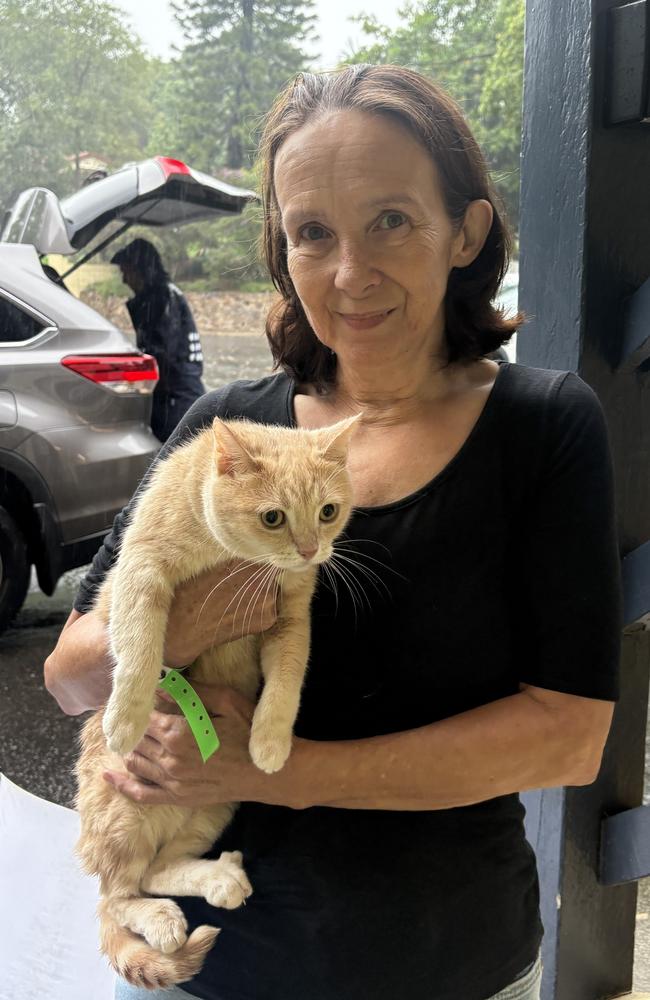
{"x": 72, "y": 79}
{"x": 499, "y": 112}
{"x": 238, "y": 55}
{"x": 474, "y": 49}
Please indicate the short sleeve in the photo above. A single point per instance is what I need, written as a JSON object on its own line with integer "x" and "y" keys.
{"x": 199, "y": 416}
{"x": 567, "y": 562}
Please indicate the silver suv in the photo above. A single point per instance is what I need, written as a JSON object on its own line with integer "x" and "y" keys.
{"x": 75, "y": 394}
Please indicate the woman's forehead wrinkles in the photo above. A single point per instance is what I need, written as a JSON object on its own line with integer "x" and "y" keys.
{"x": 322, "y": 170}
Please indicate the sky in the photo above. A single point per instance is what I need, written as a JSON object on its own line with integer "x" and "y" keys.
{"x": 153, "y": 21}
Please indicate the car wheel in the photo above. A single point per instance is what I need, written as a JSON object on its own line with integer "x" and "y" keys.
{"x": 14, "y": 568}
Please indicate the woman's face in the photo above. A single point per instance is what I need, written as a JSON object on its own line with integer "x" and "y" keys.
{"x": 370, "y": 244}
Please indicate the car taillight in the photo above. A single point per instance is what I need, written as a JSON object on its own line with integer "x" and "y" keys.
{"x": 119, "y": 372}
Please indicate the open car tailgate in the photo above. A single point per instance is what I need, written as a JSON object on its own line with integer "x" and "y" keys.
{"x": 156, "y": 192}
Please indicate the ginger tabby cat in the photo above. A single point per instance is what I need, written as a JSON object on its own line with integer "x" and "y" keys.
{"x": 271, "y": 496}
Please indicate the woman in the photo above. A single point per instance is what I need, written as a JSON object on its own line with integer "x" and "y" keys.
{"x": 388, "y": 857}
{"x": 165, "y": 328}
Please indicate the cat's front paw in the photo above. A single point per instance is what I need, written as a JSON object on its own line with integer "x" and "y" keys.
{"x": 227, "y": 885}
{"x": 124, "y": 729}
{"x": 269, "y": 749}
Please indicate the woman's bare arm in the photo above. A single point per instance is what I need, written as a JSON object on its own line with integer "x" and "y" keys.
{"x": 535, "y": 739}
{"x": 206, "y": 611}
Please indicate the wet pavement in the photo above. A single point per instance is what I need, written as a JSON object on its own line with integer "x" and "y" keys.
{"x": 38, "y": 745}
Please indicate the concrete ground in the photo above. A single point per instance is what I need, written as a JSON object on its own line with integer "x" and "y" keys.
{"x": 38, "y": 742}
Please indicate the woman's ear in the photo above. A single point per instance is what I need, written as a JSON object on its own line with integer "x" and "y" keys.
{"x": 472, "y": 234}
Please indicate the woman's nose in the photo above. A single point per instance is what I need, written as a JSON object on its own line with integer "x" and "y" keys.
{"x": 355, "y": 273}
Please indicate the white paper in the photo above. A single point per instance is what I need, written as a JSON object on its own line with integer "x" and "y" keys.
{"x": 48, "y": 925}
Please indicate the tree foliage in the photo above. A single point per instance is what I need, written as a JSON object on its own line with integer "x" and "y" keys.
{"x": 72, "y": 79}
{"x": 238, "y": 55}
{"x": 474, "y": 49}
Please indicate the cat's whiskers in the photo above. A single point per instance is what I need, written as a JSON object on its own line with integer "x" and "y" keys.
{"x": 277, "y": 581}
{"x": 254, "y": 592}
{"x": 331, "y": 582}
{"x": 340, "y": 542}
{"x": 372, "y": 577}
{"x": 241, "y": 594}
{"x": 253, "y": 580}
{"x": 243, "y": 566}
{"x": 345, "y": 539}
{"x": 355, "y": 590}
{"x": 262, "y": 585}
{"x": 237, "y": 593}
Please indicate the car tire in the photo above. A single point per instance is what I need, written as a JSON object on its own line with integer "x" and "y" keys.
{"x": 14, "y": 568}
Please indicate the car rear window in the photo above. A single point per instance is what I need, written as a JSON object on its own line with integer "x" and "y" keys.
{"x": 16, "y": 324}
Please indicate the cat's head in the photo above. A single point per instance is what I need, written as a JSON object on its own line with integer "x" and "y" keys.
{"x": 277, "y": 494}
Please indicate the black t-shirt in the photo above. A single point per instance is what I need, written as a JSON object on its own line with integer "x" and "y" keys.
{"x": 503, "y": 569}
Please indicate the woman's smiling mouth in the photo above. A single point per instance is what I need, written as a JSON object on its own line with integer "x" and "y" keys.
{"x": 365, "y": 321}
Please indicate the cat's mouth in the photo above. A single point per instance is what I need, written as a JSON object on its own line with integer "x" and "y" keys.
{"x": 300, "y": 565}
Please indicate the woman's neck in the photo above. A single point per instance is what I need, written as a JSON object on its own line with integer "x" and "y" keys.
{"x": 391, "y": 397}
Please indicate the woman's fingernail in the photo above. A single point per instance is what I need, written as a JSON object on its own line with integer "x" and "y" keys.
{"x": 107, "y": 776}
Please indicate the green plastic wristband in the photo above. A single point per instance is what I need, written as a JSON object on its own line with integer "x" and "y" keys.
{"x": 194, "y": 711}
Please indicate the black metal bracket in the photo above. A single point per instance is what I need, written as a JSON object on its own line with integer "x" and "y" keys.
{"x": 635, "y": 349}
{"x": 636, "y": 584}
{"x": 625, "y": 847}
{"x": 627, "y": 90}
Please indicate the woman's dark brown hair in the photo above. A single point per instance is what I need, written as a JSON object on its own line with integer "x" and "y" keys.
{"x": 474, "y": 326}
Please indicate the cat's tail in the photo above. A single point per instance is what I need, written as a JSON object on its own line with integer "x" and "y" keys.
{"x": 141, "y": 965}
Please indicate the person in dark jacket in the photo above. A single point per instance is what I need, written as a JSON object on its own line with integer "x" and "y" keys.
{"x": 165, "y": 328}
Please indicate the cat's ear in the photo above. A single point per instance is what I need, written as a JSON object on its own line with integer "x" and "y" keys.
{"x": 230, "y": 453}
{"x": 335, "y": 440}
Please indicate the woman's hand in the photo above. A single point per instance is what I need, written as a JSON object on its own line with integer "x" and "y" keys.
{"x": 78, "y": 670}
{"x": 216, "y": 607}
{"x": 166, "y": 766}
{"x": 220, "y": 605}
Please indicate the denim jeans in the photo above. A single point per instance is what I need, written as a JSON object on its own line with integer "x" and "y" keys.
{"x": 125, "y": 992}
{"x": 525, "y": 988}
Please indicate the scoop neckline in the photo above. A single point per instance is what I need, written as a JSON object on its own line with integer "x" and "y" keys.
{"x": 483, "y": 418}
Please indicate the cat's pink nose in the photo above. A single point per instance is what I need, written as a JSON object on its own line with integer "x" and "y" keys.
{"x": 307, "y": 554}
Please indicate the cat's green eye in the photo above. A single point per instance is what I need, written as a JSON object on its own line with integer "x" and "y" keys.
{"x": 273, "y": 518}
{"x": 329, "y": 511}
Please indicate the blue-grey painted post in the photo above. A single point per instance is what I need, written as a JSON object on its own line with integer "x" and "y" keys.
{"x": 585, "y": 252}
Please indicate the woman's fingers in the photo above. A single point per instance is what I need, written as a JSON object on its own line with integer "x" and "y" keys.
{"x": 144, "y": 768}
{"x": 167, "y": 767}
{"x": 149, "y": 795}
{"x": 148, "y": 747}
{"x": 169, "y": 731}
{"x": 224, "y": 701}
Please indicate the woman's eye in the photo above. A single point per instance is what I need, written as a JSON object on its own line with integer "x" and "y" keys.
{"x": 313, "y": 232}
{"x": 391, "y": 220}
{"x": 329, "y": 511}
{"x": 272, "y": 518}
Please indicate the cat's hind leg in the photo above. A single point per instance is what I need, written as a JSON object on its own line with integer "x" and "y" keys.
{"x": 141, "y": 965}
{"x": 179, "y": 870}
{"x": 160, "y": 922}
